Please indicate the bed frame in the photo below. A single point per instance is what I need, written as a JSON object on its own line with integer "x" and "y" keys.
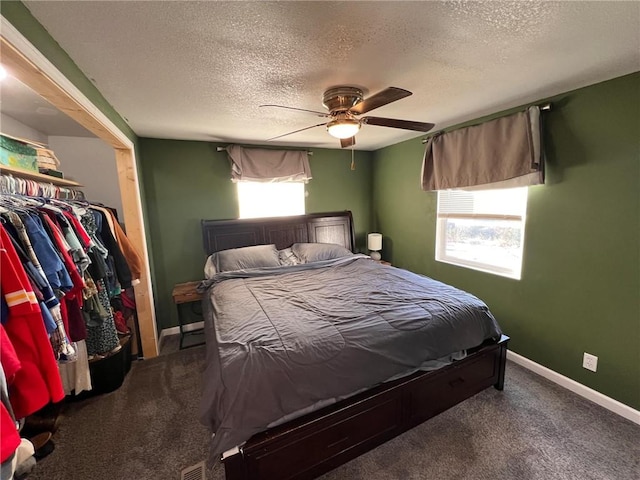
{"x": 313, "y": 444}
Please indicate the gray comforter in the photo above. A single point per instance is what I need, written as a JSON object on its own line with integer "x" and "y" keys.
{"x": 280, "y": 340}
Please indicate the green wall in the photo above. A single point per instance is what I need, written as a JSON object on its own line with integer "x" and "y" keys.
{"x": 186, "y": 181}
{"x": 580, "y": 286}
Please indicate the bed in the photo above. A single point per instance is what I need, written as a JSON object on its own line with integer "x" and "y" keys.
{"x": 294, "y": 389}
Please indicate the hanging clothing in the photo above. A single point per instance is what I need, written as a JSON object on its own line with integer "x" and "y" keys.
{"x": 72, "y": 234}
{"x": 130, "y": 253}
{"x": 79, "y": 230}
{"x": 122, "y": 271}
{"x": 62, "y": 346}
{"x": 37, "y": 382}
{"x": 76, "y": 376}
{"x": 71, "y": 309}
{"x": 38, "y": 280}
{"x": 73, "y": 297}
{"x": 76, "y": 270}
{"x": 101, "y": 331}
{"x": 9, "y": 436}
{"x": 44, "y": 252}
{"x": 9, "y": 366}
{"x": 8, "y": 356}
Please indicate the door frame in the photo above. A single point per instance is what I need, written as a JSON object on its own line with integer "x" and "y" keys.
{"x": 27, "y": 64}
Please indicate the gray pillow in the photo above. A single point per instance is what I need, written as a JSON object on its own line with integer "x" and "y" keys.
{"x": 315, "y": 252}
{"x": 256, "y": 256}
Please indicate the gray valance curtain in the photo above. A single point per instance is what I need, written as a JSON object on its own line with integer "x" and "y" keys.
{"x": 264, "y": 165}
{"x": 502, "y": 153}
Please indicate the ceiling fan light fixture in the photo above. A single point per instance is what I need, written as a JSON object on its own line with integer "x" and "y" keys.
{"x": 346, "y": 105}
{"x": 343, "y": 128}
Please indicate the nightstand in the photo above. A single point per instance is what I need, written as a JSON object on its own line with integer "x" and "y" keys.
{"x": 186, "y": 293}
{"x": 383, "y": 262}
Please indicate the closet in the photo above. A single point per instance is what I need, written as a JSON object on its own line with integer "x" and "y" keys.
{"x": 63, "y": 235}
{"x": 30, "y": 67}
{"x": 44, "y": 362}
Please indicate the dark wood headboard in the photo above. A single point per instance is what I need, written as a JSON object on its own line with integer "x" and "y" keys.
{"x": 333, "y": 227}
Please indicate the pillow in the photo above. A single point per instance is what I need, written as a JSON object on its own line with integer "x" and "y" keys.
{"x": 315, "y": 252}
{"x": 256, "y": 256}
{"x": 288, "y": 258}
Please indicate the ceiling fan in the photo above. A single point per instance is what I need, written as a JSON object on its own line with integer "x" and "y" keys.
{"x": 346, "y": 104}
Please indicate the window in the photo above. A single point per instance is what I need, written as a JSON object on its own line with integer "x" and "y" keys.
{"x": 483, "y": 229}
{"x": 259, "y": 199}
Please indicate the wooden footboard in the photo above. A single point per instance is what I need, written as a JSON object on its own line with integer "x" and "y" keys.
{"x": 316, "y": 443}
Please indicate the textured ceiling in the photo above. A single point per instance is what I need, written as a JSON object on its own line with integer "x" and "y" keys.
{"x": 199, "y": 70}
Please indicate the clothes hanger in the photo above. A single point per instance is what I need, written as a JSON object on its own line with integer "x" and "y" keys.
{"x": 60, "y": 203}
{"x": 82, "y": 202}
{"x": 12, "y": 199}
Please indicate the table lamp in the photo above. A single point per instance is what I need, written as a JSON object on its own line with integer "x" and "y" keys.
{"x": 374, "y": 244}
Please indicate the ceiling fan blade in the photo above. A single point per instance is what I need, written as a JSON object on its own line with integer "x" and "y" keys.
{"x": 296, "y": 131}
{"x": 347, "y": 142}
{"x": 394, "y": 123}
{"x": 320, "y": 114}
{"x": 380, "y": 99}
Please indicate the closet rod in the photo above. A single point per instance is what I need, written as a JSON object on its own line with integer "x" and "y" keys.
{"x": 545, "y": 107}
{"x": 222, "y": 149}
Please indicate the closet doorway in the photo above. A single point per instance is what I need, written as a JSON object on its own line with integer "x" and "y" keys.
{"x": 27, "y": 65}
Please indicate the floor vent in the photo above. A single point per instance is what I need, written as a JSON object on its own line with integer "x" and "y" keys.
{"x": 194, "y": 472}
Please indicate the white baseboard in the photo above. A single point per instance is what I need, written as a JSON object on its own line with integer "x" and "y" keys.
{"x": 582, "y": 390}
{"x": 176, "y": 330}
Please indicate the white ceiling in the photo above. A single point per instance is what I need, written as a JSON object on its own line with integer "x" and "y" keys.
{"x": 199, "y": 70}
{"x": 24, "y": 105}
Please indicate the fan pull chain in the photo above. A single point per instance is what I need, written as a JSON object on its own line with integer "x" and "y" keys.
{"x": 353, "y": 161}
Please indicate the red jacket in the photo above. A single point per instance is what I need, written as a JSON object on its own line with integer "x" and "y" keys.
{"x": 38, "y": 381}
{"x": 9, "y": 437}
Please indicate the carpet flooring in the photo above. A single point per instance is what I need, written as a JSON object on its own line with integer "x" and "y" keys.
{"x": 534, "y": 429}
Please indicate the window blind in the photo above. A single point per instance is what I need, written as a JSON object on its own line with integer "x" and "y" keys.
{"x": 499, "y": 204}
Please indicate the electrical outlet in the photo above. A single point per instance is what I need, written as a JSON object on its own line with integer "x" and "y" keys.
{"x": 590, "y": 362}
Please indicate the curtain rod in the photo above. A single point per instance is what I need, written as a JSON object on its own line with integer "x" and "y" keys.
{"x": 545, "y": 107}
{"x": 222, "y": 149}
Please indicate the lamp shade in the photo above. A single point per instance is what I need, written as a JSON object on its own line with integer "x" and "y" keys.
{"x": 374, "y": 241}
{"x": 343, "y": 128}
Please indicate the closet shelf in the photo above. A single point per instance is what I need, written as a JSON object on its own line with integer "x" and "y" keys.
{"x": 39, "y": 177}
